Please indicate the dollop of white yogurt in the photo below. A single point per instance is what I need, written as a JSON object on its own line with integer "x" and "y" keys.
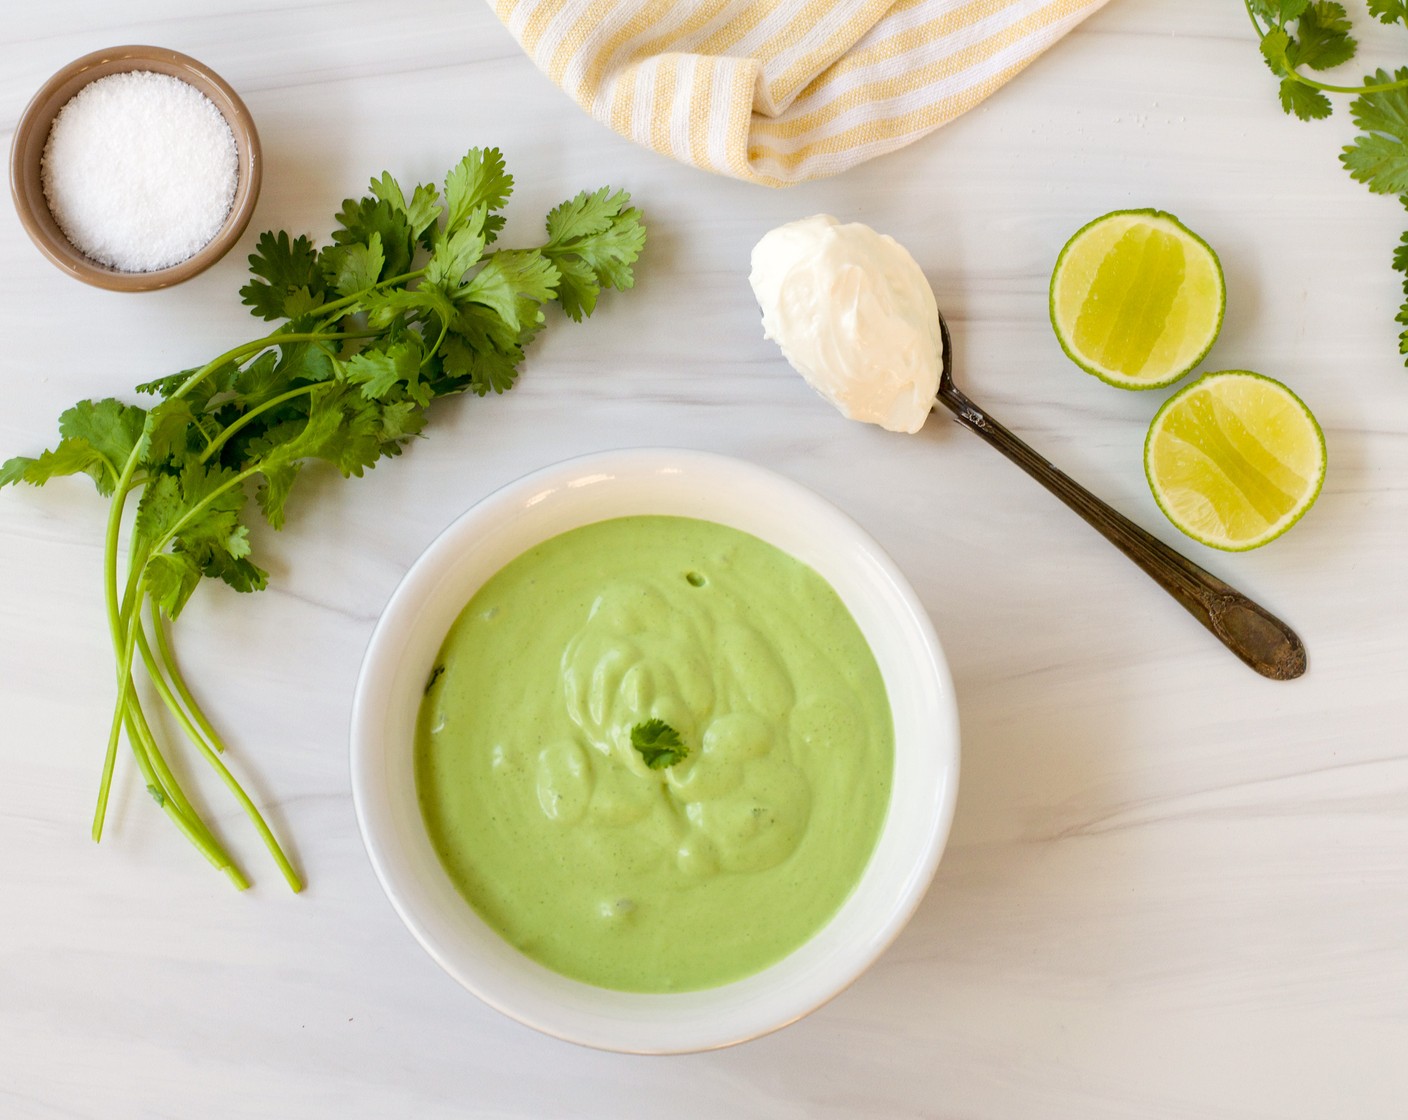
{"x": 854, "y": 314}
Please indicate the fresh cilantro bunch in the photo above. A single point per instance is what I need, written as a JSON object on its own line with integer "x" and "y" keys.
{"x": 411, "y": 302}
{"x": 1301, "y": 35}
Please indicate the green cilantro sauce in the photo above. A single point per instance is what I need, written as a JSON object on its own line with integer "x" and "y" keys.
{"x": 550, "y": 823}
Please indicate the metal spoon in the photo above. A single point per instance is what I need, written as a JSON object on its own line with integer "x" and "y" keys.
{"x": 1250, "y": 631}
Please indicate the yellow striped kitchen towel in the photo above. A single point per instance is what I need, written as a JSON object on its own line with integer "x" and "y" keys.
{"x": 780, "y": 91}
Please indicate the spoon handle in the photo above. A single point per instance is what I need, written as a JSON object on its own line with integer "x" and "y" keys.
{"x": 1250, "y": 631}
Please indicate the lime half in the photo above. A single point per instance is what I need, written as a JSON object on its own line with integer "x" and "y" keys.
{"x": 1235, "y": 459}
{"x": 1137, "y": 298}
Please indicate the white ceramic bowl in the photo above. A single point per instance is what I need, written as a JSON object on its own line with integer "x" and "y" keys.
{"x": 615, "y": 484}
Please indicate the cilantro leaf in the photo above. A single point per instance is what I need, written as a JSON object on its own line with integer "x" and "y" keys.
{"x": 362, "y": 219}
{"x": 259, "y": 381}
{"x": 110, "y": 428}
{"x": 1321, "y": 42}
{"x": 1389, "y": 11}
{"x": 513, "y": 284}
{"x": 342, "y": 428}
{"x": 396, "y": 310}
{"x": 210, "y": 517}
{"x": 477, "y": 180}
{"x": 1279, "y": 12}
{"x": 304, "y": 362}
{"x": 214, "y": 380}
{"x": 15, "y": 470}
{"x": 399, "y": 421}
{"x": 1400, "y": 264}
{"x": 170, "y": 578}
{"x": 481, "y": 353}
{"x": 584, "y": 215}
{"x": 356, "y": 266}
{"x": 165, "y": 386}
{"x": 381, "y": 372}
{"x": 199, "y": 510}
{"x": 1306, "y": 103}
{"x": 1322, "y": 37}
{"x": 1379, "y": 156}
{"x": 1276, "y": 51}
{"x": 593, "y": 240}
{"x": 1400, "y": 257}
{"x": 160, "y": 507}
{"x": 109, "y": 425}
{"x": 658, "y": 743}
{"x": 239, "y": 573}
{"x": 455, "y": 254}
{"x": 286, "y": 272}
{"x": 482, "y": 371}
{"x": 71, "y": 456}
{"x": 420, "y": 212}
{"x": 277, "y": 479}
{"x": 165, "y": 434}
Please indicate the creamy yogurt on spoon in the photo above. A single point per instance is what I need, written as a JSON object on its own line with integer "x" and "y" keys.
{"x": 854, "y": 315}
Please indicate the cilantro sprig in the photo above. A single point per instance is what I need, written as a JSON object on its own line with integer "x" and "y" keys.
{"x": 1314, "y": 35}
{"x": 658, "y": 743}
{"x": 411, "y": 302}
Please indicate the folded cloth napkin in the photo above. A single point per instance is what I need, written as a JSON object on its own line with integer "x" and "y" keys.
{"x": 780, "y": 91}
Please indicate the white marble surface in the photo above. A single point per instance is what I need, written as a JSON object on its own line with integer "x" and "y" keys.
{"x": 1173, "y": 889}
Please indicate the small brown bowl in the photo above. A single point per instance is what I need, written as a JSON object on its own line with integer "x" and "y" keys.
{"x": 32, "y": 134}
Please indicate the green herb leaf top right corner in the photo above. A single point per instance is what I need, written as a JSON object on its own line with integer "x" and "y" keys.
{"x": 1302, "y": 38}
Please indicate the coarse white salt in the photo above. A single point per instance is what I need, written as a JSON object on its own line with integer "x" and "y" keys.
{"x": 140, "y": 170}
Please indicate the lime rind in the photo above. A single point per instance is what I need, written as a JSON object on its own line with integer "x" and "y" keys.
{"x": 1114, "y": 377}
{"x": 1301, "y": 507}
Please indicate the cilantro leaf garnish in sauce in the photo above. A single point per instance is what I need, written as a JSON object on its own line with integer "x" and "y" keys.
{"x": 658, "y": 743}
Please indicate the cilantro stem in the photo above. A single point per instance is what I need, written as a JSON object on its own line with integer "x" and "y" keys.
{"x": 124, "y": 679}
{"x": 121, "y": 487}
{"x": 149, "y": 758}
{"x": 178, "y": 681}
{"x": 158, "y": 679}
{"x": 137, "y": 726}
{"x": 254, "y": 413}
{"x": 250, "y": 350}
{"x": 243, "y": 352}
{"x": 193, "y": 733}
{"x": 124, "y": 629}
{"x": 203, "y": 504}
{"x": 159, "y": 780}
{"x": 139, "y": 731}
{"x": 117, "y": 626}
{"x": 238, "y": 354}
{"x": 1323, "y": 87}
{"x": 120, "y": 629}
{"x": 430, "y": 353}
{"x": 356, "y": 297}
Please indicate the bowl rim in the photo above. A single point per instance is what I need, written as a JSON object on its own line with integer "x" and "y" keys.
{"x": 32, "y": 133}
{"x": 688, "y": 1021}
